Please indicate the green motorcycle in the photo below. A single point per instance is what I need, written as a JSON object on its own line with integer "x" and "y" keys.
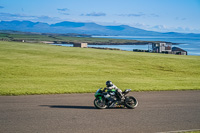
{"x": 109, "y": 99}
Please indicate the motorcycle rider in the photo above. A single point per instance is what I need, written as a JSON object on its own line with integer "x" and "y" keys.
{"x": 109, "y": 87}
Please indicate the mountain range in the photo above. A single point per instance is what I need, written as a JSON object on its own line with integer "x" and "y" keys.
{"x": 83, "y": 28}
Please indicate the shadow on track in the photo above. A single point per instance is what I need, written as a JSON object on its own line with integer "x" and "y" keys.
{"x": 77, "y": 107}
{"x": 68, "y": 106}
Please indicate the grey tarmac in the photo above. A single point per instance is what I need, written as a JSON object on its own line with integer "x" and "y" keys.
{"x": 160, "y": 111}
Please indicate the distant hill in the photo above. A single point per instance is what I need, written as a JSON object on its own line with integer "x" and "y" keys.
{"x": 82, "y": 28}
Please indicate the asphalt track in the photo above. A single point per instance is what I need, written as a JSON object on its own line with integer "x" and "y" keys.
{"x": 74, "y": 113}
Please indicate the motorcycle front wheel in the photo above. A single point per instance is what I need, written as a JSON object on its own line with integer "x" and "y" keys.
{"x": 130, "y": 102}
{"x": 100, "y": 104}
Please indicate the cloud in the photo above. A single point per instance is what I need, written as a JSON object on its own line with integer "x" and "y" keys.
{"x": 46, "y": 19}
{"x": 180, "y": 29}
{"x": 154, "y": 15}
{"x": 42, "y": 18}
{"x": 135, "y": 15}
{"x": 1, "y": 7}
{"x": 140, "y": 14}
{"x": 178, "y": 18}
{"x": 94, "y": 14}
{"x": 21, "y": 17}
{"x": 160, "y": 27}
{"x": 65, "y": 13}
{"x": 132, "y": 15}
{"x": 63, "y": 9}
{"x": 9, "y": 16}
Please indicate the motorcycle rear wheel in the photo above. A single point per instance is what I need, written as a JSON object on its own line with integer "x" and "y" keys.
{"x": 130, "y": 102}
{"x": 100, "y": 104}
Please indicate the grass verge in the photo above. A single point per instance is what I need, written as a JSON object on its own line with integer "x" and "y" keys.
{"x": 27, "y": 68}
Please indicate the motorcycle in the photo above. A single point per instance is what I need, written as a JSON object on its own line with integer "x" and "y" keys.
{"x": 109, "y": 99}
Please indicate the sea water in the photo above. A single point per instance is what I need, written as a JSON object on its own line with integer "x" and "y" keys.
{"x": 189, "y": 44}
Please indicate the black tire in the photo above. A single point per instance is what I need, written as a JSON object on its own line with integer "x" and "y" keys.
{"x": 130, "y": 102}
{"x": 100, "y": 104}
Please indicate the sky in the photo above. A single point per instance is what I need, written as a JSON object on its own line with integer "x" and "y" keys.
{"x": 155, "y": 15}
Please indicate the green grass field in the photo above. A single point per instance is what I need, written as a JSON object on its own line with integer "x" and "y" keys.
{"x": 27, "y": 68}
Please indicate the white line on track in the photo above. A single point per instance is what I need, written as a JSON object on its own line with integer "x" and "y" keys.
{"x": 181, "y": 131}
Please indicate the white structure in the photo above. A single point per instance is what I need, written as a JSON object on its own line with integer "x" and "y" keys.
{"x": 162, "y": 47}
{"x": 82, "y": 45}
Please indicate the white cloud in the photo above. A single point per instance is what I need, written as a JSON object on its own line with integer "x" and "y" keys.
{"x": 179, "y": 18}
{"x": 98, "y": 14}
{"x": 63, "y": 9}
{"x": 140, "y": 14}
{"x": 132, "y": 15}
{"x": 10, "y": 17}
{"x": 164, "y": 28}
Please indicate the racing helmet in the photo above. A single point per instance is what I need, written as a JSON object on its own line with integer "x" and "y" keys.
{"x": 109, "y": 83}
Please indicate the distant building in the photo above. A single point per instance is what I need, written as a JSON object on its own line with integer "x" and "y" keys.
{"x": 167, "y": 48}
{"x": 162, "y": 47}
{"x": 81, "y": 45}
{"x": 178, "y": 51}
